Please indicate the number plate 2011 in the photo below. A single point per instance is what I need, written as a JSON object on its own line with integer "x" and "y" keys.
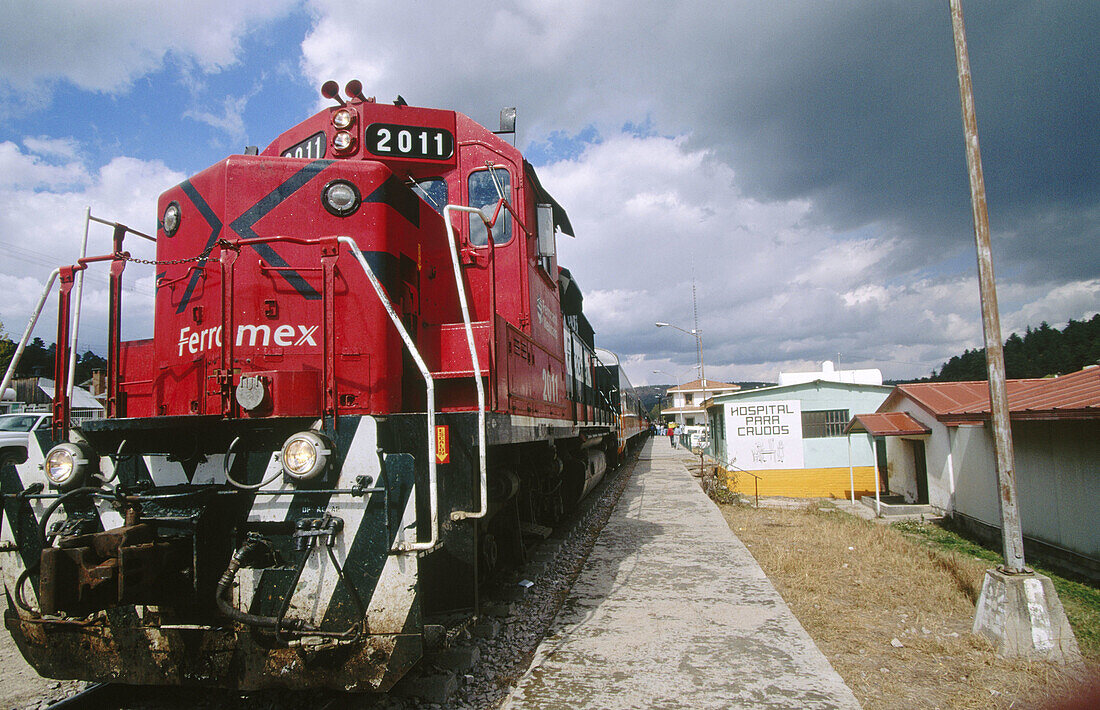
{"x": 312, "y": 147}
{"x": 389, "y": 139}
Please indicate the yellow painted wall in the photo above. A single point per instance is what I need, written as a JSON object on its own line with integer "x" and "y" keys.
{"x": 804, "y": 482}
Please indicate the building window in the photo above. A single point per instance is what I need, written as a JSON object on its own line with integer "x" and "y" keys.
{"x": 689, "y": 421}
{"x": 824, "y": 423}
{"x": 687, "y": 397}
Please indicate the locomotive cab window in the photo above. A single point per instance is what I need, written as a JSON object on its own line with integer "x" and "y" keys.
{"x": 484, "y": 194}
{"x": 433, "y": 191}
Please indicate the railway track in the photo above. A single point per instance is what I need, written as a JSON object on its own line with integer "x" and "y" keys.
{"x": 92, "y": 696}
{"x": 478, "y": 662}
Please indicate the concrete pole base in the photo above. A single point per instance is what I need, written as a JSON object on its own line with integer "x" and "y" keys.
{"x": 1022, "y": 616}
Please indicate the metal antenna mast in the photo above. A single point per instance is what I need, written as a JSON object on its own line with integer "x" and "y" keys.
{"x": 698, "y": 338}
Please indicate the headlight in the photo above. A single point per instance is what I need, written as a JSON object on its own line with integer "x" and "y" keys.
{"x": 66, "y": 465}
{"x": 304, "y": 455}
{"x": 343, "y": 118}
{"x": 341, "y": 198}
{"x": 343, "y": 141}
{"x": 171, "y": 219}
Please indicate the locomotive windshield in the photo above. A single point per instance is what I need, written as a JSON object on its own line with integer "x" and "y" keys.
{"x": 484, "y": 194}
{"x": 433, "y": 191}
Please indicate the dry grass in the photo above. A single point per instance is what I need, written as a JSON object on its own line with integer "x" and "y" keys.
{"x": 892, "y": 615}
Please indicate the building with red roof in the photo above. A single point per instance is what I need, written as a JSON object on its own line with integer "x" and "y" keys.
{"x": 939, "y": 450}
{"x": 686, "y": 401}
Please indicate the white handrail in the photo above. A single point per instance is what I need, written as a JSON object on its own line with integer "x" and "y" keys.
{"x": 76, "y": 315}
{"x": 27, "y": 334}
{"x": 451, "y": 243}
{"x": 433, "y": 492}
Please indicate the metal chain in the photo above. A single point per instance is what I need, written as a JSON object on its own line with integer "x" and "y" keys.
{"x": 225, "y": 244}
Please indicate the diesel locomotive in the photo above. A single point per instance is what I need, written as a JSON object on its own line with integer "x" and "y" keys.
{"x": 369, "y": 384}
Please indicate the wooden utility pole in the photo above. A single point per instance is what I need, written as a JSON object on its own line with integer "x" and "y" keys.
{"x": 1018, "y": 611}
{"x": 991, "y": 324}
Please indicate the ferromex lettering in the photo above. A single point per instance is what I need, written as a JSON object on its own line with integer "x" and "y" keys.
{"x": 248, "y": 334}
{"x": 283, "y": 335}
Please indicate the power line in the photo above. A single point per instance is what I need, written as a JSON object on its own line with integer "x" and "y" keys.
{"x": 48, "y": 260}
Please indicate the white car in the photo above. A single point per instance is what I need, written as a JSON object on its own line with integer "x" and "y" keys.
{"x": 14, "y": 429}
{"x": 698, "y": 440}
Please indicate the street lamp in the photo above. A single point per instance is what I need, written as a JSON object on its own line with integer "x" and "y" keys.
{"x": 694, "y": 332}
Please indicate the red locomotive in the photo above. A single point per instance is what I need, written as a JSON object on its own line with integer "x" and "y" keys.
{"x": 368, "y": 378}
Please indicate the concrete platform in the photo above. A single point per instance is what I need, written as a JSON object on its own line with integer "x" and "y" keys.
{"x": 671, "y": 611}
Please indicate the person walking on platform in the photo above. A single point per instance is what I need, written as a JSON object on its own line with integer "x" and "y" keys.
{"x": 672, "y": 435}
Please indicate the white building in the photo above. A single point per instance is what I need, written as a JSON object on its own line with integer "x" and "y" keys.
{"x": 939, "y": 451}
{"x": 829, "y": 374}
{"x": 686, "y": 401}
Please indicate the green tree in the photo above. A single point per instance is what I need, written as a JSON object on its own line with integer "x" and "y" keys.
{"x": 7, "y": 349}
{"x": 87, "y": 363}
{"x": 1041, "y": 351}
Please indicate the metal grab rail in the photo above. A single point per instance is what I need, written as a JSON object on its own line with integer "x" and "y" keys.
{"x": 433, "y": 488}
{"x": 88, "y": 219}
{"x": 451, "y": 243}
{"x": 65, "y": 357}
{"x": 27, "y": 333}
{"x": 502, "y": 204}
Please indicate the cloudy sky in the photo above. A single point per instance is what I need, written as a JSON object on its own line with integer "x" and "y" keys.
{"x": 800, "y": 162}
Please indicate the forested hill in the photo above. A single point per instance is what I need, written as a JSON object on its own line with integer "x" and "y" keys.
{"x": 38, "y": 359}
{"x": 1039, "y": 352}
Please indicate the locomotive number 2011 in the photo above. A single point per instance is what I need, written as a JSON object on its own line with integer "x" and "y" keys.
{"x": 312, "y": 148}
{"x": 389, "y": 139}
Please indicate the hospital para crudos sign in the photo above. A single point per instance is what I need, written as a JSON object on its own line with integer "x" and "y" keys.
{"x": 765, "y": 435}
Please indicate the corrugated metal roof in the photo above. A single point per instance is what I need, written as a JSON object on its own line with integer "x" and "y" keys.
{"x": 82, "y": 399}
{"x": 887, "y": 424}
{"x": 1072, "y": 396}
{"x": 1075, "y": 392}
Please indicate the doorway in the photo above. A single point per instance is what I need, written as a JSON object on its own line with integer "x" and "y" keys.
{"x": 880, "y": 464}
{"x": 920, "y": 469}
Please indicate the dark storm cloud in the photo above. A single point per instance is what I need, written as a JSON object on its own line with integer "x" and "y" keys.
{"x": 856, "y": 107}
{"x": 803, "y": 162}
{"x": 853, "y": 105}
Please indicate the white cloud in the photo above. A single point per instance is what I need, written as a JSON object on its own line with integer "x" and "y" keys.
{"x": 53, "y": 147}
{"x": 231, "y": 120}
{"x": 42, "y": 224}
{"x": 774, "y": 291}
{"x": 105, "y": 46}
{"x": 1055, "y": 304}
{"x": 31, "y": 171}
